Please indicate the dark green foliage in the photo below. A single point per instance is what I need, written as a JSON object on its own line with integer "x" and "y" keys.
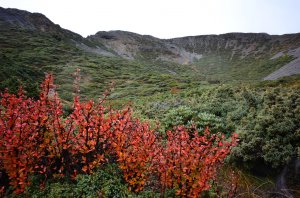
{"x": 266, "y": 116}
{"x": 106, "y": 182}
{"x": 272, "y": 131}
{"x": 184, "y": 115}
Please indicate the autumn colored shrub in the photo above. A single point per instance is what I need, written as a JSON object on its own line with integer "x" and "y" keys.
{"x": 135, "y": 146}
{"x": 19, "y": 128}
{"x": 37, "y": 139}
{"x": 188, "y": 163}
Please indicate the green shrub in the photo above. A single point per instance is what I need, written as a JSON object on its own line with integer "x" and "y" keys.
{"x": 271, "y": 132}
{"x": 106, "y": 182}
{"x": 188, "y": 117}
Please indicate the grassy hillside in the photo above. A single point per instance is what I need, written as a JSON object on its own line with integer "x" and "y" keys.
{"x": 26, "y": 55}
{"x": 219, "y": 67}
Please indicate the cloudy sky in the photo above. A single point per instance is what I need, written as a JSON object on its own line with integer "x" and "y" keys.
{"x": 168, "y": 18}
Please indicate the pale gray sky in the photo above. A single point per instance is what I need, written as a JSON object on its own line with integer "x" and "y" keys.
{"x": 168, "y": 18}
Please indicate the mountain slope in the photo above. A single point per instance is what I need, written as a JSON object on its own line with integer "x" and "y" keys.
{"x": 289, "y": 69}
{"x": 28, "y": 50}
{"x": 241, "y": 56}
{"x": 247, "y": 55}
{"x": 31, "y": 44}
{"x": 142, "y": 47}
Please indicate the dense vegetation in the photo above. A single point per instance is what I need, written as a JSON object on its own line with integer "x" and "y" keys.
{"x": 36, "y": 140}
{"x": 265, "y": 115}
{"x": 223, "y": 94}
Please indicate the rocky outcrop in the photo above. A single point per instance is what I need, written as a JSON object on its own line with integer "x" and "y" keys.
{"x": 134, "y": 46}
{"x": 241, "y": 44}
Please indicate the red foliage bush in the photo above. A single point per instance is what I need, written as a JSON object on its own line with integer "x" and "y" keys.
{"x": 135, "y": 146}
{"x": 188, "y": 163}
{"x": 35, "y": 138}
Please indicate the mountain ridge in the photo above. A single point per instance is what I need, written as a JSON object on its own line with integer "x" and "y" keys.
{"x": 212, "y": 55}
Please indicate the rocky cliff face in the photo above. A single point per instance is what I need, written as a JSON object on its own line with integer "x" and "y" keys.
{"x": 188, "y": 49}
{"x": 143, "y": 47}
{"x": 242, "y": 44}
